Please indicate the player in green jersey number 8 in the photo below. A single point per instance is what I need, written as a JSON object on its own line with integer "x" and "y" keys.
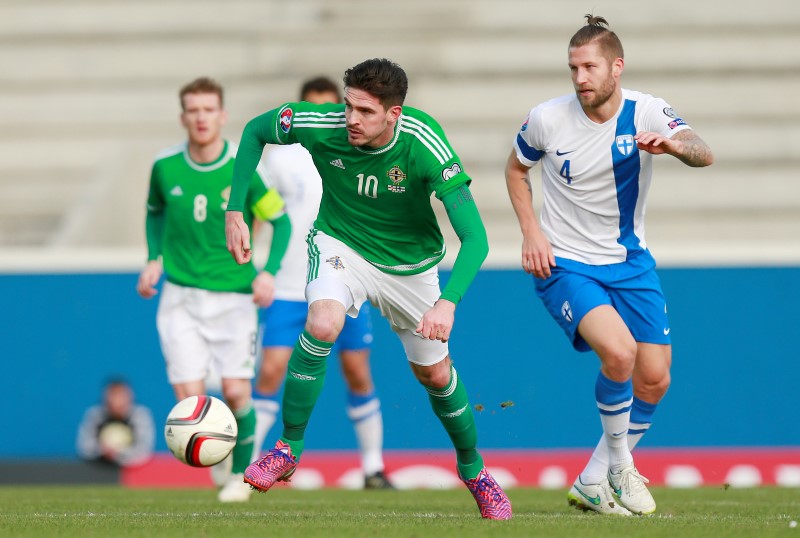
{"x": 375, "y": 239}
{"x": 207, "y": 313}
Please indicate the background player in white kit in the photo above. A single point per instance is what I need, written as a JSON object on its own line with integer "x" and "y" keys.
{"x": 592, "y": 267}
{"x": 292, "y": 172}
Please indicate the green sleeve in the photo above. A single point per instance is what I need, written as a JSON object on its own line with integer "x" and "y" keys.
{"x": 467, "y": 223}
{"x": 154, "y": 229}
{"x": 154, "y": 222}
{"x": 281, "y": 232}
{"x": 257, "y": 133}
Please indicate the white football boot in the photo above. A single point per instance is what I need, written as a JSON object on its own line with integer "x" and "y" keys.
{"x": 236, "y": 490}
{"x": 630, "y": 488}
{"x": 595, "y": 497}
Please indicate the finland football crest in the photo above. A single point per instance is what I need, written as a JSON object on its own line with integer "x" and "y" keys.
{"x": 566, "y": 311}
{"x": 625, "y": 144}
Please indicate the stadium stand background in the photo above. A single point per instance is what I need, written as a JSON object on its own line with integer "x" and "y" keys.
{"x": 88, "y": 95}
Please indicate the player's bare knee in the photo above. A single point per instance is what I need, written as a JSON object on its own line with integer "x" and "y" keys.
{"x": 325, "y": 320}
{"x": 358, "y": 382}
{"x": 269, "y": 384}
{"x": 432, "y": 379}
{"x": 662, "y": 385}
{"x": 270, "y": 377}
{"x": 323, "y": 329}
{"x": 652, "y": 390}
{"x": 436, "y": 376}
{"x": 236, "y": 395}
{"x": 618, "y": 362}
{"x": 356, "y": 371}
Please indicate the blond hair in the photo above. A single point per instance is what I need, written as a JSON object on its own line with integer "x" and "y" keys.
{"x": 202, "y": 85}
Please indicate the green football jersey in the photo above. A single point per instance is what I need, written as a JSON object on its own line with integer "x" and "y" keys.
{"x": 191, "y": 199}
{"x": 376, "y": 201}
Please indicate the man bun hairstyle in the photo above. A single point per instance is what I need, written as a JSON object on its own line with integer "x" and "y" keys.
{"x": 596, "y": 29}
{"x": 379, "y": 77}
{"x": 202, "y": 85}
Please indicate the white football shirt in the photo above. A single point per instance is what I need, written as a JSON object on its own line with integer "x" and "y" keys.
{"x": 594, "y": 178}
{"x": 291, "y": 170}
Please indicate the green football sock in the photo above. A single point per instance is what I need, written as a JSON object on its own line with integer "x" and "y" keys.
{"x": 243, "y": 451}
{"x": 304, "y": 381}
{"x": 451, "y": 405}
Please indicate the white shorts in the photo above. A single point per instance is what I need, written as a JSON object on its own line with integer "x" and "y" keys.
{"x": 199, "y": 329}
{"x": 338, "y": 272}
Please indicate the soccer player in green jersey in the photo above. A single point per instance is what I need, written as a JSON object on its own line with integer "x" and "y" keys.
{"x": 375, "y": 239}
{"x": 208, "y": 308}
{"x": 292, "y": 172}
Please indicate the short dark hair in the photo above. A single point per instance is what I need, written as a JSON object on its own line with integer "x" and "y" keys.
{"x": 116, "y": 381}
{"x": 379, "y": 77}
{"x": 596, "y": 29}
{"x": 320, "y": 85}
{"x": 202, "y": 85}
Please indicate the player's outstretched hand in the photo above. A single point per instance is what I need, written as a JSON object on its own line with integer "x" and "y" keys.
{"x": 657, "y": 144}
{"x": 437, "y": 322}
{"x": 148, "y": 278}
{"x": 263, "y": 289}
{"x": 537, "y": 254}
{"x": 237, "y": 237}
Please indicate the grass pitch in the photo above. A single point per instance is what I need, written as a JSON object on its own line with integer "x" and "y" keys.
{"x": 113, "y": 511}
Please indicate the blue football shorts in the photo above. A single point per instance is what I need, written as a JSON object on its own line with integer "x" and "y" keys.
{"x": 632, "y": 287}
{"x": 283, "y": 322}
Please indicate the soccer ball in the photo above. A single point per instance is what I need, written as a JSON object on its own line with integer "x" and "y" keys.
{"x": 201, "y": 431}
{"x": 115, "y": 436}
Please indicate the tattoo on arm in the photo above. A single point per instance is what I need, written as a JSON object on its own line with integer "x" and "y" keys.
{"x": 695, "y": 151}
{"x": 527, "y": 180}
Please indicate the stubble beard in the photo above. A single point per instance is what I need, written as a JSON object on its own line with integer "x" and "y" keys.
{"x": 356, "y": 143}
{"x": 600, "y": 95}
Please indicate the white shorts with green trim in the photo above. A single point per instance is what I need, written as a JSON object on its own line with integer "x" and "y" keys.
{"x": 339, "y": 273}
{"x": 201, "y": 329}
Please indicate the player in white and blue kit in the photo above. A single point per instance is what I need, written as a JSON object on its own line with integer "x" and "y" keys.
{"x": 291, "y": 170}
{"x": 589, "y": 257}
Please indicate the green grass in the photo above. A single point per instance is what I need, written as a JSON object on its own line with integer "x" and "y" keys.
{"x": 112, "y": 511}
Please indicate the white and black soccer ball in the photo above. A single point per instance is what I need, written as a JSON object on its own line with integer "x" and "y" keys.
{"x": 201, "y": 431}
